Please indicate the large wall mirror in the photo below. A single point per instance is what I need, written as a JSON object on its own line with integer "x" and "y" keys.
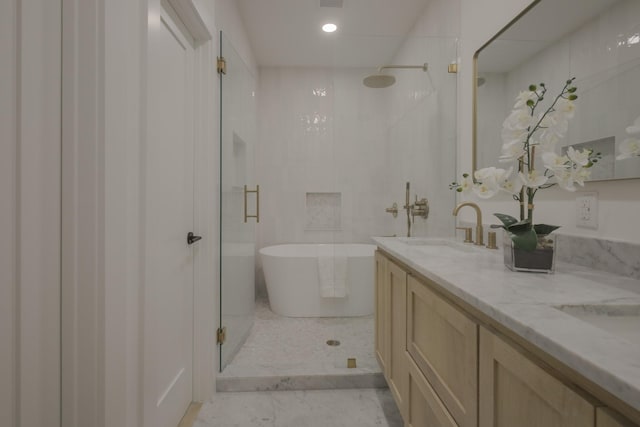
{"x": 595, "y": 41}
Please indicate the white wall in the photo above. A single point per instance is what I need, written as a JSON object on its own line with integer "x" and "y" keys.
{"x": 30, "y": 214}
{"x": 619, "y": 201}
{"x": 320, "y": 131}
{"x": 104, "y": 105}
{"x": 422, "y": 135}
{"x": 367, "y": 143}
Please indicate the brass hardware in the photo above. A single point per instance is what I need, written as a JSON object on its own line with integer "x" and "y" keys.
{"x": 393, "y": 210}
{"x": 221, "y": 335}
{"x": 420, "y": 208}
{"x": 452, "y": 68}
{"x": 492, "y": 240}
{"x": 257, "y": 215}
{"x": 407, "y": 206}
{"x": 351, "y": 362}
{"x": 467, "y": 234}
{"x": 479, "y": 231}
{"x": 221, "y": 65}
{"x": 333, "y": 343}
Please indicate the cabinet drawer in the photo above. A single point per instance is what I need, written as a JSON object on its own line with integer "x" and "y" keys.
{"x": 444, "y": 344}
{"x": 516, "y": 391}
{"x": 608, "y": 418}
{"x": 425, "y": 408}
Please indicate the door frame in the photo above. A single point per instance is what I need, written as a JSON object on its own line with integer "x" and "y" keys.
{"x": 103, "y": 135}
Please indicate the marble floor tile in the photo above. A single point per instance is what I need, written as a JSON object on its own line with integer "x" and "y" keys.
{"x": 284, "y": 347}
{"x": 318, "y": 408}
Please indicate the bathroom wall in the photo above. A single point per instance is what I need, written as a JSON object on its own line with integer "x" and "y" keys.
{"x": 321, "y": 131}
{"x": 604, "y": 56}
{"x": 619, "y": 201}
{"x": 422, "y": 140}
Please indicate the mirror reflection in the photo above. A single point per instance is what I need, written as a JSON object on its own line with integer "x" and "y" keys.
{"x": 595, "y": 41}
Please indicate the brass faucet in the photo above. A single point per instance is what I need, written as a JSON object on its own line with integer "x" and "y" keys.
{"x": 479, "y": 231}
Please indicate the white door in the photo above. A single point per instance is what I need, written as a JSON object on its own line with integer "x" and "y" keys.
{"x": 167, "y": 218}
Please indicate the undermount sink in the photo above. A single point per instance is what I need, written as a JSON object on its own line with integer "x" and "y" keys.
{"x": 430, "y": 241}
{"x": 620, "y": 320}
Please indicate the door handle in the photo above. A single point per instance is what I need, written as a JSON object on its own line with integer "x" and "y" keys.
{"x": 192, "y": 238}
{"x": 257, "y": 215}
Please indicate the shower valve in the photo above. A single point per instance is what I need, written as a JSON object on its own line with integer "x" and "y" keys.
{"x": 420, "y": 208}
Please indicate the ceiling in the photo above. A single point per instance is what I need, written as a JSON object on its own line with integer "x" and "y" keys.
{"x": 288, "y": 32}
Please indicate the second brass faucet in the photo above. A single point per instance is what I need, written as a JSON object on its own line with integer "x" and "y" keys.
{"x": 479, "y": 231}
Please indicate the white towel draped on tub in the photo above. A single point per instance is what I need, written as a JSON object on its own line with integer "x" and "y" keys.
{"x": 332, "y": 273}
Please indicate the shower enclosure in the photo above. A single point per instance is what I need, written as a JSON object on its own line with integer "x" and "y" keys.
{"x": 239, "y": 197}
{"x": 332, "y": 154}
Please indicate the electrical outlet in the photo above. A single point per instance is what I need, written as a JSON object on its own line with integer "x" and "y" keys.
{"x": 587, "y": 210}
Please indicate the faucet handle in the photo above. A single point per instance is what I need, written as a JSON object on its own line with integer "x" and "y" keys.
{"x": 393, "y": 210}
{"x": 467, "y": 234}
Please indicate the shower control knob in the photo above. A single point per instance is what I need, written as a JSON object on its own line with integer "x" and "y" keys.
{"x": 192, "y": 238}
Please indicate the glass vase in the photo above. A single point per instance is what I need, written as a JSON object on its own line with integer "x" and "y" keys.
{"x": 540, "y": 260}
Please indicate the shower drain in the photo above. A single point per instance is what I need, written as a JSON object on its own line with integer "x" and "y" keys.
{"x": 333, "y": 343}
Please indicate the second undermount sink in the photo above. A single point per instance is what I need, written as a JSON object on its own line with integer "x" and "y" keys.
{"x": 621, "y": 320}
{"x": 437, "y": 242}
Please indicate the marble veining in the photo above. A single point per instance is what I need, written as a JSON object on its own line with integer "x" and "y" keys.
{"x": 284, "y": 353}
{"x": 621, "y": 258}
{"x": 527, "y": 304}
{"x": 324, "y": 211}
{"x": 320, "y": 408}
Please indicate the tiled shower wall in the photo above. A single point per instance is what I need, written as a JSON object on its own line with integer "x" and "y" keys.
{"x": 320, "y": 131}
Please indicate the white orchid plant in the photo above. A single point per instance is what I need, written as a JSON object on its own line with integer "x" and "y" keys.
{"x": 524, "y": 131}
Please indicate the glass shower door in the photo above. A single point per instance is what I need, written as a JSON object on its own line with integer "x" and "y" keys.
{"x": 238, "y": 202}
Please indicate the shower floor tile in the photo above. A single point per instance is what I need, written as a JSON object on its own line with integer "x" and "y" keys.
{"x": 292, "y": 353}
{"x": 317, "y": 408}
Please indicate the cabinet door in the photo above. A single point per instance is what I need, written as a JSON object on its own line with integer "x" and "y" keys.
{"x": 424, "y": 406}
{"x": 383, "y": 309}
{"x": 397, "y": 370}
{"x": 607, "y": 418}
{"x": 516, "y": 392}
{"x": 444, "y": 344}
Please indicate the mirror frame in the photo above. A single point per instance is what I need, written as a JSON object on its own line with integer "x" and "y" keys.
{"x": 474, "y": 125}
{"x": 474, "y": 140}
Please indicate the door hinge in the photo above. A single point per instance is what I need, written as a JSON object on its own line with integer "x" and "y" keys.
{"x": 221, "y": 335}
{"x": 222, "y": 65}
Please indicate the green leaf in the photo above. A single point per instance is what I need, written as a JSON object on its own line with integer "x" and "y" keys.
{"x": 573, "y": 97}
{"x": 532, "y": 88}
{"x": 526, "y": 241}
{"x": 520, "y": 227}
{"x": 544, "y": 229}
{"x": 507, "y": 220}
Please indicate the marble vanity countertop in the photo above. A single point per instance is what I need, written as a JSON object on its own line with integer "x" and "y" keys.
{"x": 527, "y": 304}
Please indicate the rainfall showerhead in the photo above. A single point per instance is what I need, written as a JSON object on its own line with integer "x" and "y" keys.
{"x": 385, "y": 80}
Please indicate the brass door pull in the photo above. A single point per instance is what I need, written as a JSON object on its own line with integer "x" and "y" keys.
{"x": 257, "y": 215}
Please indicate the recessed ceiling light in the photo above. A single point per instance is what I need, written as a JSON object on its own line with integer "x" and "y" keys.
{"x": 329, "y": 28}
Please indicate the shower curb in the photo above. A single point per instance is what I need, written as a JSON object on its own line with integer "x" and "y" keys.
{"x": 301, "y": 382}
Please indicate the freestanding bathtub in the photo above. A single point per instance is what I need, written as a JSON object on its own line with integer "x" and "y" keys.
{"x": 291, "y": 276}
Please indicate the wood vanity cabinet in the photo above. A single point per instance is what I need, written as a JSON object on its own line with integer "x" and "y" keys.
{"x": 443, "y": 343}
{"x": 608, "y": 418}
{"x": 446, "y": 367}
{"x": 516, "y": 392}
{"x": 382, "y": 311}
{"x": 391, "y": 304}
{"x": 431, "y": 365}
